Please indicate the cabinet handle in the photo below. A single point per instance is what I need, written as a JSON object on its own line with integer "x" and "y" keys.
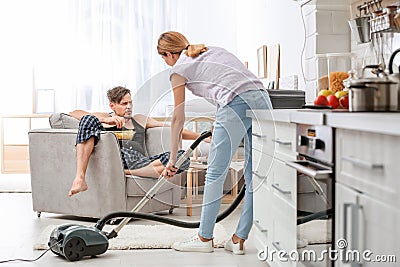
{"x": 258, "y": 225}
{"x": 345, "y": 208}
{"x": 258, "y": 135}
{"x": 362, "y": 163}
{"x": 276, "y": 186}
{"x": 259, "y": 176}
{"x": 278, "y": 247}
{"x": 354, "y": 229}
{"x": 280, "y": 142}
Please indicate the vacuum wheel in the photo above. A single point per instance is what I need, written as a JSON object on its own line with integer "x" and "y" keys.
{"x": 74, "y": 249}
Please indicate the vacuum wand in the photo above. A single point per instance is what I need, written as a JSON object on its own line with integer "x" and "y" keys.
{"x": 152, "y": 192}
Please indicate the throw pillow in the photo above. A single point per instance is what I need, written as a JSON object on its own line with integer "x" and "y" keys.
{"x": 63, "y": 121}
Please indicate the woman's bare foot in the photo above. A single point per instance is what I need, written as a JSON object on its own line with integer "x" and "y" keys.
{"x": 79, "y": 185}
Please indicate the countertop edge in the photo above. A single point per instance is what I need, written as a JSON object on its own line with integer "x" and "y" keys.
{"x": 277, "y": 115}
{"x": 376, "y": 122}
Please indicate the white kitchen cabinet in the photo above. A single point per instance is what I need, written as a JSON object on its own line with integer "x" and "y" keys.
{"x": 369, "y": 162}
{"x": 284, "y": 182}
{"x": 275, "y": 188}
{"x": 262, "y": 174}
{"x": 274, "y": 137}
{"x": 366, "y": 224}
{"x": 367, "y": 196}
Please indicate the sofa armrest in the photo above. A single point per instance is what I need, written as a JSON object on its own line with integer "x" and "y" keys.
{"x": 53, "y": 166}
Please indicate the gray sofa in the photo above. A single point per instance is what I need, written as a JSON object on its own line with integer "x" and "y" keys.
{"x": 53, "y": 165}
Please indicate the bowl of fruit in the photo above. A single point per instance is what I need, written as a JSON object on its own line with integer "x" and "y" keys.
{"x": 335, "y": 100}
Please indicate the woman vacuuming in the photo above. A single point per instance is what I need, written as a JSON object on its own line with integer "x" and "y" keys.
{"x": 218, "y": 76}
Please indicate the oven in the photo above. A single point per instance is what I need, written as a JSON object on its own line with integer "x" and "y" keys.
{"x": 315, "y": 175}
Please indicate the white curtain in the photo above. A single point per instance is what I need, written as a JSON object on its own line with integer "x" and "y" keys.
{"x": 81, "y": 48}
{"x": 89, "y": 46}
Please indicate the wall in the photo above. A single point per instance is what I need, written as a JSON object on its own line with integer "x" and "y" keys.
{"x": 327, "y": 31}
{"x": 16, "y": 59}
{"x": 236, "y": 25}
{"x": 284, "y": 25}
{"x": 210, "y": 22}
{"x": 241, "y": 26}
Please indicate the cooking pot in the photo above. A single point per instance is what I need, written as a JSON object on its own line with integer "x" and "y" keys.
{"x": 373, "y": 94}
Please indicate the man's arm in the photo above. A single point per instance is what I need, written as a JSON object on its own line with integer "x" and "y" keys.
{"x": 186, "y": 134}
{"x": 78, "y": 114}
{"x": 189, "y": 135}
{"x": 103, "y": 117}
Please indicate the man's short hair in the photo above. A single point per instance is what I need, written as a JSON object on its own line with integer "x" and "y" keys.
{"x": 116, "y": 94}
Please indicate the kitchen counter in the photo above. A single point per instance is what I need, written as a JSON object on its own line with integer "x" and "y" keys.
{"x": 377, "y": 122}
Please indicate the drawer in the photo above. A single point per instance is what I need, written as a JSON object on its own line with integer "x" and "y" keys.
{"x": 368, "y": 162}
{"x": 285, "y": 139}
{"x": 262, "y": 216}
{"x": 262, "y": 136}
{"x": 284, "y": 184}
{"x": 275, "y": 138}
{"x": 285, "y": 228}
{"x": 259, "y": 237}
{"x": 262, "y": 167}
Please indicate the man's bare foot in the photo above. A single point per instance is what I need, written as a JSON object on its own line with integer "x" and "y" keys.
{"x": 79, "y": 185}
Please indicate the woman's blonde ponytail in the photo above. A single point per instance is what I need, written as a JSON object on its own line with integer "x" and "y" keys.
{"x": 175, "y": 42}
{"x": 195, "y": 50}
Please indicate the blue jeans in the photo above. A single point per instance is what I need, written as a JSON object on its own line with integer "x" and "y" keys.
{"x": 231, "y": 126}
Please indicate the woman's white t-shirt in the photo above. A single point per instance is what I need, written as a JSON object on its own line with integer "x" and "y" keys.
{"x": 216, "y": 75}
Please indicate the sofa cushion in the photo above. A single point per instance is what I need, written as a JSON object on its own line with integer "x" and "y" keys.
{"x": 63, "y": 121}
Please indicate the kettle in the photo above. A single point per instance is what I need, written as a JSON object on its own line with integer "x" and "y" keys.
{"x": 395, "y": 77}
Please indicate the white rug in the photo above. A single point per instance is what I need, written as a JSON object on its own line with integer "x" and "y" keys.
{"x": 315, "y": 232}
{"x": 143, "y": 236}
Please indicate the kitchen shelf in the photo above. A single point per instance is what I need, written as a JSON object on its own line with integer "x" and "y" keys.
{"x": 14, "y": 140}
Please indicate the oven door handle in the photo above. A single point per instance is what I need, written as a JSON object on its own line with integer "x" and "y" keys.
{"x": 317, "y": 172}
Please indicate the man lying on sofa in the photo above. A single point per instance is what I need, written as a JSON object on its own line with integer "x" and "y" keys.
{"x": 133, "y": 152}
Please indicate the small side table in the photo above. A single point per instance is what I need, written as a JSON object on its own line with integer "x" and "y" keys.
{"x": 192, "y": 183}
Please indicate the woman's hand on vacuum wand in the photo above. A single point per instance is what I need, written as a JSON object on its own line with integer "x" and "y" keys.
{"x": 169, "y": 170}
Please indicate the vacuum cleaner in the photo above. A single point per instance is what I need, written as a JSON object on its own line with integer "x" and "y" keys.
{"x": 74, "y": 241}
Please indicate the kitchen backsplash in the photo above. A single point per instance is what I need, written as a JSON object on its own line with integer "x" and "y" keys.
{"x": 328, "y": 31}
{"x": 364, "y": 52}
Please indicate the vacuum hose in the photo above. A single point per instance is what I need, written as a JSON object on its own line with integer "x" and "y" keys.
{"x": 138, "y": 215}
{"x": 314, "y": 216}
{"x": 128, "y": 214}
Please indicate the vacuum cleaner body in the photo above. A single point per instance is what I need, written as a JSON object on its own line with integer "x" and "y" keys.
{"x": 74, "y": 241}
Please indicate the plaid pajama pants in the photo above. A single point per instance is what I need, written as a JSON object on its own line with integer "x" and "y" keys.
{"x": 90, "y": 126}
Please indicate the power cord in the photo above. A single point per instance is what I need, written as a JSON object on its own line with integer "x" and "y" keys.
{"x": 27, "y": 260}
